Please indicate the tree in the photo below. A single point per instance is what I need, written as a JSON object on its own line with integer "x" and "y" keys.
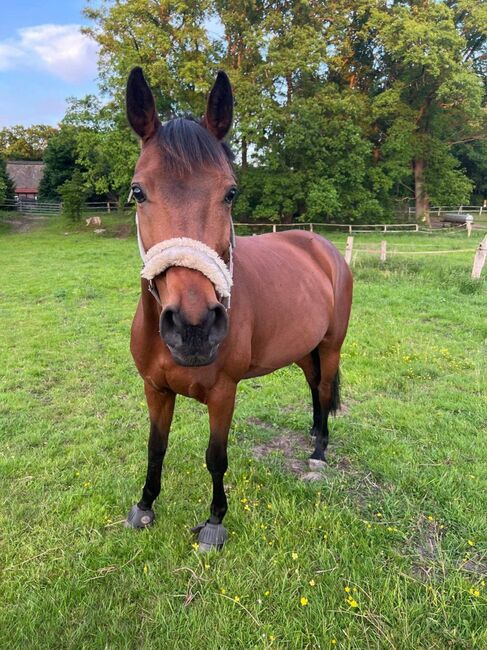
{"x": 428, "y": 96}
{"x": 73, "y": 193}
{"x": 169, "y": 40}
{"x": 106, "y": 149}
{"x": 7, "y": 188}
{"x": 25, "y": 143}
{"x": 473, "y": 158}
{"x": 60, "y": 163}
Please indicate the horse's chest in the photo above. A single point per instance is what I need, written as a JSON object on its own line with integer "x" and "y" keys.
{"x": 185, "y": 381}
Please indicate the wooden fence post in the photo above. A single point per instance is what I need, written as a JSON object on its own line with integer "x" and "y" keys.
{"x": 274, "y": 227}
{"x": 417, "y": 227}
{"x": 479, "y": 259}
{"x": 311, "y": 227}
{"x": 349, "y": 250}
{"x": 383, "y": 251}
{"x": 469, "y": 228}
{"x": 350, "y": 229}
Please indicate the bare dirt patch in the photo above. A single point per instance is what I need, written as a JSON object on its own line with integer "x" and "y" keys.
{"x": 477, "y": 564}
{"x": 290, "y": 445}
{"x": 123, "y": 230}
{"x": 425, "y": 545}
{"x": 22, "y": 223}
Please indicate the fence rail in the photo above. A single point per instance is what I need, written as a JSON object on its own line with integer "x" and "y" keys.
{"x": 480, "y": 253}
{"x": 442, "y": 210}
{"x": 99, "y": 207}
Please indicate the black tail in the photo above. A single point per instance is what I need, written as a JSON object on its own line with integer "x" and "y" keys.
{"x": 335, "y": 394}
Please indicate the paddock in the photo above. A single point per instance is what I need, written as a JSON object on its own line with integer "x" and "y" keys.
{"x": 386, "y": 548}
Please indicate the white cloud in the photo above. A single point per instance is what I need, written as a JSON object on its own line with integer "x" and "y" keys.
{"x": 61, "y": 50}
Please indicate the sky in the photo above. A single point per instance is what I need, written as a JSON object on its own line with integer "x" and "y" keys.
{"x": 43, "y": 60}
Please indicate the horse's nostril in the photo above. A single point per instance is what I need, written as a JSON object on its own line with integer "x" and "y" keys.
{"x": 219, "y": 323}
{"x": 170, "y": 324}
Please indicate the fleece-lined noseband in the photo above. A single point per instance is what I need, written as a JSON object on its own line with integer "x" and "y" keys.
{"x": 191, "y": 254}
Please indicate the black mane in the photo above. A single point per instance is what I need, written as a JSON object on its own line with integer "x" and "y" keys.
{"x": 187, "y": 146}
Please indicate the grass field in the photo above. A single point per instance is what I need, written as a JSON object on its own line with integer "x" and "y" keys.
{"x": 387, "y": 550}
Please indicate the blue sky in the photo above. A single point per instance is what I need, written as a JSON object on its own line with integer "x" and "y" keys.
{"x": 43, "y": 59}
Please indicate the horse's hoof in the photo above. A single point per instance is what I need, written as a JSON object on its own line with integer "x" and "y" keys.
{"x": 138, "y": 518}
{"x": 316, "y": 463}
{"x": 210, "y": 536}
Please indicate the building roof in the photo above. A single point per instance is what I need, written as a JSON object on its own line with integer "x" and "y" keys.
{"x": 26, "y": 174}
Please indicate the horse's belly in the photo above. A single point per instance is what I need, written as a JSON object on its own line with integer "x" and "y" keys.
{"x": 279, "y": 342}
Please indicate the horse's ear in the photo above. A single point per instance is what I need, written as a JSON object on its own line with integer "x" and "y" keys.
{"x": 141, "y": 107}
{"x": 219, "y": 109}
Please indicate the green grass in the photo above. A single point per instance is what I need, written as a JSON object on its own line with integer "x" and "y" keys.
{"x": 399, "y": 517}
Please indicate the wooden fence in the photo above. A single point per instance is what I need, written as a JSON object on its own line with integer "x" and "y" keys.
{"x": 480, "y": 253}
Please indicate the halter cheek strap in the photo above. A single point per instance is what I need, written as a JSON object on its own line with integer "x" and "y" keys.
{"x": 188, "y": 253}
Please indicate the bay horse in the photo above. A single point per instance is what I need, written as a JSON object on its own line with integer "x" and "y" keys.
{"x": 290, "y": 292}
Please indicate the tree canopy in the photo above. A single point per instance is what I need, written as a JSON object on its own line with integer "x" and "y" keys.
{"x": 25, "y": 142}
{"x": 344, "y": 110}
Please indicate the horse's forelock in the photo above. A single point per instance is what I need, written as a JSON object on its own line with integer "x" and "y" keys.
{"x": 187, "y": 146}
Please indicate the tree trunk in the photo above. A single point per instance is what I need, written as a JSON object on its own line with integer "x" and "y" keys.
{"x": 420, "y": 194}
{"x": 244, "y": 154}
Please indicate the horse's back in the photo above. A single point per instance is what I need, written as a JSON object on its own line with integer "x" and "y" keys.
{"x": 302, "y": 254}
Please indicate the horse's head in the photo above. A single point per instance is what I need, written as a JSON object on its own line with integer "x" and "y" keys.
{"x": 184, "y": 187}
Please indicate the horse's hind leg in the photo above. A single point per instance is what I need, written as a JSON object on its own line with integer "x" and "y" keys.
{"x": 326, "y": 398}
{"x": 161, "y": 408}
{"x": 320, "y": 368}
{"x": 310, "y": 365}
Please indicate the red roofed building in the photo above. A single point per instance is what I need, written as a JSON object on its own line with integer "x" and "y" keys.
{"x": 26, "y": 175}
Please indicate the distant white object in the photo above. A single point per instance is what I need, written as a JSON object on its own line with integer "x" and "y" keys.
{"x": 98, "y": 231}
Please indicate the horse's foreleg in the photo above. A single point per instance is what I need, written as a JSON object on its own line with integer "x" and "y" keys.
{"x": 221, "y": 403}
{"x": 161, "y": 408}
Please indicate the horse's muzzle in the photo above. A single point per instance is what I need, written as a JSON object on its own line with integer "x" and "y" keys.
{"x": 193, "y": 345}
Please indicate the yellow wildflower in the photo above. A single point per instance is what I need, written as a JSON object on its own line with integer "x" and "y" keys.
{"x": 267, "y": 593}
{"x": 470, "y": 542}
{"x": 223, "y": 590}
{"x": 347, "y": 590}
{"x": 294, "y": 555}
{"x": 303, "y": 601}
{"x": 312, "y": 583}
{"x": 236, "y": 599}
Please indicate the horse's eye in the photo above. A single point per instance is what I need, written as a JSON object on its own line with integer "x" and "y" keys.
{"x": 230, "y": 195}
{"x": 138, "y": 193}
